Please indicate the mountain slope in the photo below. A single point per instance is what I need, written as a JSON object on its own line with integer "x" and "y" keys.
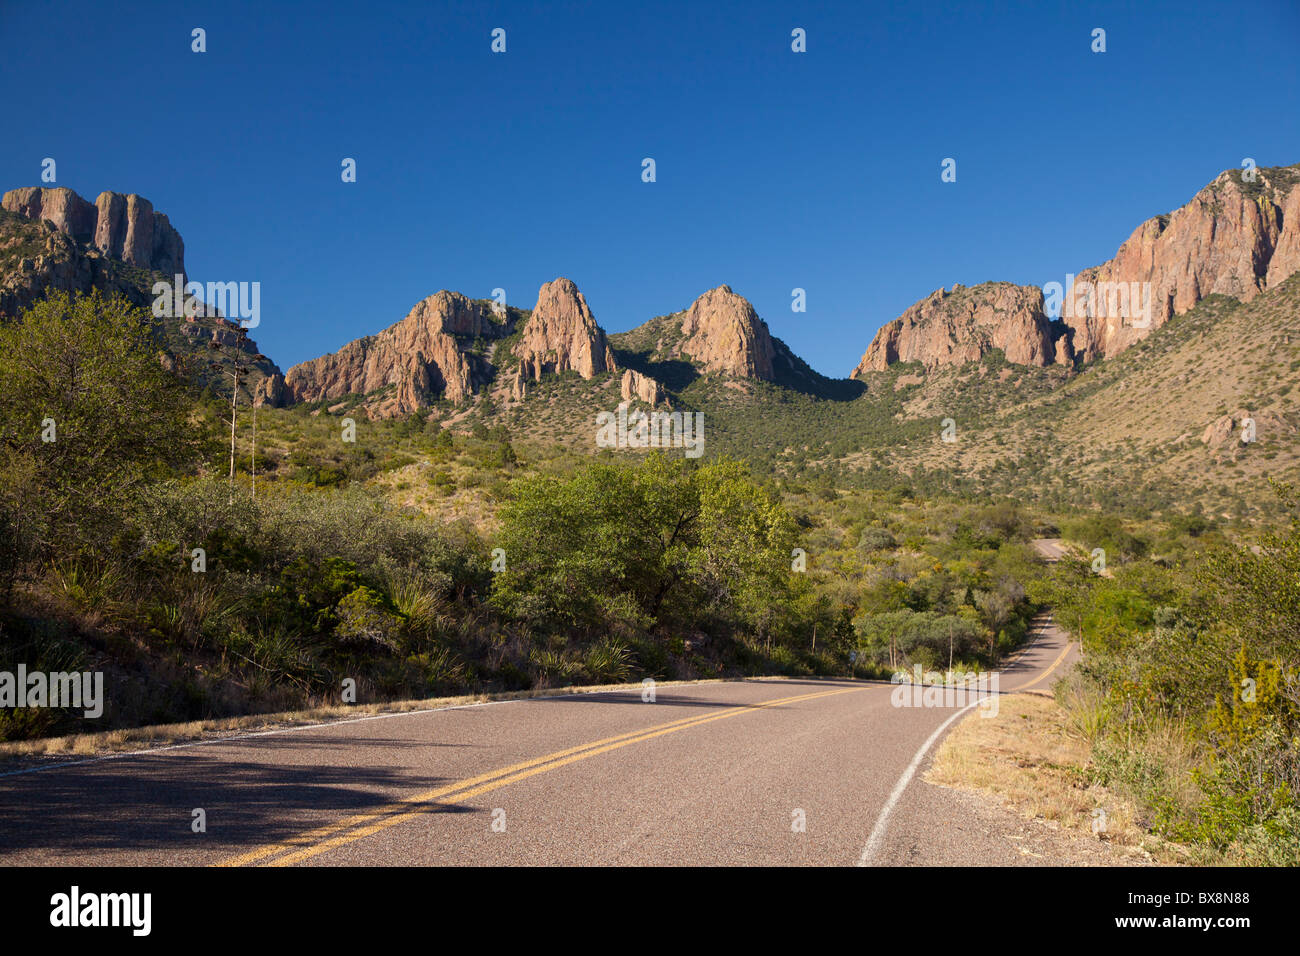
{"x": 1157, "y": 426}
{"x": 53, "y": 239}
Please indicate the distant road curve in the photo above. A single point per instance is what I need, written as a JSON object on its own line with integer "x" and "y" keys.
{"x": 1050, "y": 549}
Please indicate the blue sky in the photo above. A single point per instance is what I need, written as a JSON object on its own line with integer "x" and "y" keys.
{"x": 775, "y": 170}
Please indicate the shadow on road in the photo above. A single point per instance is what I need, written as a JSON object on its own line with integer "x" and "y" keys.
{"x": 668, "y": 696}
{"x": 146, "y": 802}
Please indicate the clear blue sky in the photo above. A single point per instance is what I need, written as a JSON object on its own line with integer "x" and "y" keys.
{"x": 775, "y": 169}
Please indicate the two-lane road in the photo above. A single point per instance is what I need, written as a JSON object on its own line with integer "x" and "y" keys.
{"x": 755, "y": 772}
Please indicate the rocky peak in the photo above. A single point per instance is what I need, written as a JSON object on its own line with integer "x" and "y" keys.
{"x": 124, "y": 227}
{"x": 724, "y": 334}
{"x": 562, "y": 335}
{"x": 961, "y": 325}
{"x": 420, "y": 356}
{"x": 1234, "y": 237}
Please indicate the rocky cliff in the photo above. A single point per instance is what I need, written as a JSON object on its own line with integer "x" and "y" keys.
{"x": 562, "y": 335}
{"x": 426, "y": 355}
{"x": 961, "y": 325}
{"x": 52, "y": 240}
{"x": 124, "y": 227}
{"x": 723, "y": 333}
{"x": 1235, "y": 237}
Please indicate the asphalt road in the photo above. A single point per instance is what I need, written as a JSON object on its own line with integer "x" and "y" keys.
{"x": 767, "y": 772}
{"x": 1050, "y": 549}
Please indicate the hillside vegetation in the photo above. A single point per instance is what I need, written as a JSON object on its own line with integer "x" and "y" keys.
{"x": 408, "y": 559}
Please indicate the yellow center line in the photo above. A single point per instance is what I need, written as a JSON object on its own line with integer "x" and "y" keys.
{"x": 316, "y": 842}
{"x": 346, "y": 822}
{"x": 1047, "y": 673}
{"x": 390, "y": 821}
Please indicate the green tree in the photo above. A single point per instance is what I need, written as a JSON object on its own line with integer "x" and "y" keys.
{"x": 634, "y": 546}
{"x": 87, "y": 406}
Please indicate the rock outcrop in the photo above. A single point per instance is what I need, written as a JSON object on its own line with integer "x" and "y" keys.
{"x": 643, "y": 387}
{"x": 124, "y": 227}
{"x": 420, "y": 356}
{"x": 62, "y": 208}
{"x": 1234, "y": 237}
{"x": 1285, "y": 260}
{"x": 518, "y": 390}
{"x": 1227, "y": 436}
{"x": 962, "y": 325}
{"x": 562, "y": 335}
{"x": 724, "y": 334}
{"x": 269, "y": 391}
{"x": 52, "y": 240}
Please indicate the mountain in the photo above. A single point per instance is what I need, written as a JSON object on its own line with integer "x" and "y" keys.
{"x": 55, "y": 240}
{"x": 430, "y": 355}
{"x": 561, "y": 335}
{"x": 1158, "y": 423}
{"x": 441, "y": 349}
{"x": 951, "y": 328}
{"x": 121, "y": 227}
{"x": 1235, "y": 237}
{"x": 1163, "y": 425}
{"x": 723, "y": 334}
{"x": 450, "y": 349}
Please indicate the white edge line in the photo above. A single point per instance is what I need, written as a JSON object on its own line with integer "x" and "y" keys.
{"x": 147, "y": 751}
{"x": 882, "y": 822}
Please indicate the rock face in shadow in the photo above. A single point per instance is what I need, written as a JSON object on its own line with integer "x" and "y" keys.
{"x": 424, "y": 357}
{"x": 561, "y": 335}
{"x": 123, "y": 227}
{"x": 724, "y": 334}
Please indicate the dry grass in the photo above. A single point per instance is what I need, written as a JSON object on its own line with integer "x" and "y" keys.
{"x": 1220, "y": 358}
{"x": 1034, "y": 762}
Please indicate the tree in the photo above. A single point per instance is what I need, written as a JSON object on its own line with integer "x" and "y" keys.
{"x": 88, "y": 408}
{"x": 635, "y": 546}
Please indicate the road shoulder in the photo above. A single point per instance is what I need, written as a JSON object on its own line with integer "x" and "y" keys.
{"x": 1017, "y": 782}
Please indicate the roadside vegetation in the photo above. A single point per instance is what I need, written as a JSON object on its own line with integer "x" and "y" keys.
{"x": 419, "y": 560}
{"x": 437, "y": 556}
{"x": 1189, "y": 691}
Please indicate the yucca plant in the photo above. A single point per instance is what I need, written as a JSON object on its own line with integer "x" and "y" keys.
{"x": 608, "y": 662}
{"x": 422, "y": 606}
{"x": 91, "y": 588}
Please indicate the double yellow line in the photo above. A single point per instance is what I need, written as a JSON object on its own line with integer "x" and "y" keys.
{"x": 311, "y": 843}
{"x": 1045, "y": 674}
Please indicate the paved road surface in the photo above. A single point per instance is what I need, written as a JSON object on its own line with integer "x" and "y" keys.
{"x": 707, "y": 774}
{"x": 1050, "y": 549}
